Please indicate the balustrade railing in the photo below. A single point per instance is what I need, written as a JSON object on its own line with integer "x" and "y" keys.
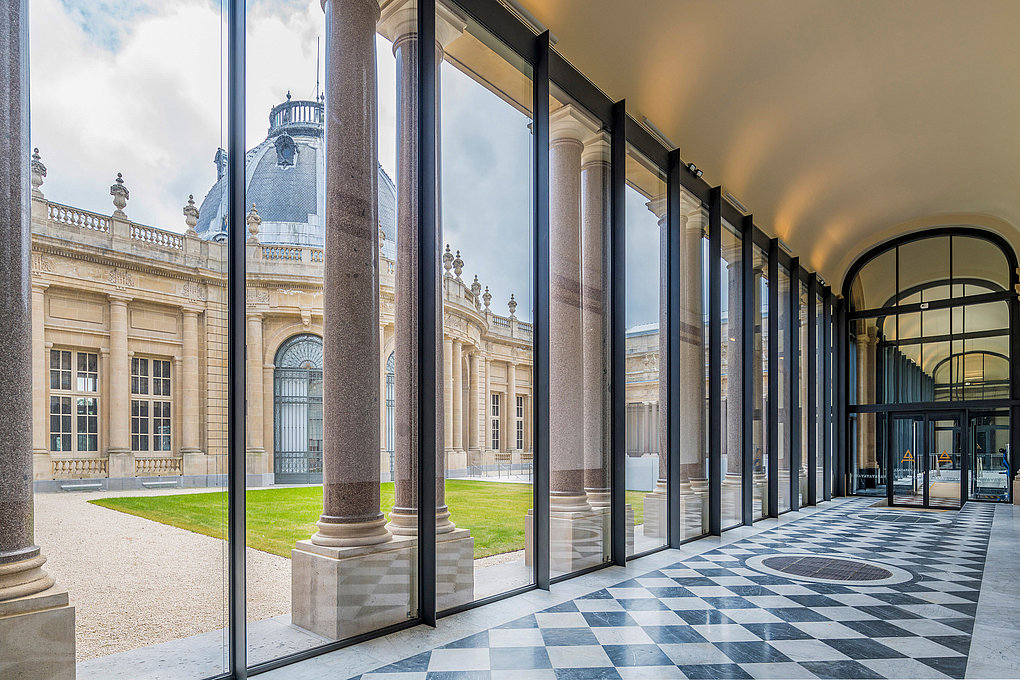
{"x": 154, "y": 467}
{"x": 157, "y": 237}
{"x": 65, "y": 214}
{"x": 282, "y": 253}
{"x": 79, "y": 468}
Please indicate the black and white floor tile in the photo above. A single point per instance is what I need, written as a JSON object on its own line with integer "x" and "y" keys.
{"x": 714, "y": 616}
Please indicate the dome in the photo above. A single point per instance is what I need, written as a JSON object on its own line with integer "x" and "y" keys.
{"x": 285, "y": 179}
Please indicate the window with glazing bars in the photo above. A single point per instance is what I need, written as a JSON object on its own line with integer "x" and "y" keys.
{"x": 74, "y": 404}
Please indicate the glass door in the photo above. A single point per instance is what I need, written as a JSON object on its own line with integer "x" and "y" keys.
{"x": 944, "y": 461}
{"x": 904, "y": 457}
{"x": 989, "y": 471}
{"x": 925, "y": 454}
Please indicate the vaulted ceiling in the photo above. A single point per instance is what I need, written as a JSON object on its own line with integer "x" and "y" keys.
{"x": 838, "y": 124}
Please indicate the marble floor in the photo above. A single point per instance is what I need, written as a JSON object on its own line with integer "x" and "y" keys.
{"x": 942, "y": 606}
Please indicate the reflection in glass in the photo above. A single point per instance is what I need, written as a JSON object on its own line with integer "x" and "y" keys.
{"x": 786, "y": 359}
{"x": 731, "y": 294}
{"x": 761, "y": 383}
{"x": 485, "y": 159}
{"x": 646, "y": 386}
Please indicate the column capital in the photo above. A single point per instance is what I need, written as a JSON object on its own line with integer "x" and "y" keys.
{"x": 398, "y": 19}
{"x": 596, "y": 149}
{"x": 570, "y": 122}
{"x": 255, "y": 316}
{"x": 119, "y": 298}
{"x": 657, "y": 205}
{"x": 191, "y": 311}
{"x": 39, "y": 287}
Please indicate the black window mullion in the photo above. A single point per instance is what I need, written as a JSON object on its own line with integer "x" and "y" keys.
{"x": 773, "y": 378}
{"x": 812, "y": 393}
{"x": 237, "y": 664}
{"x": 748, "y": 377}
{"x": 674, "y": 292}
{"x": 618, "y": 324}
{"x": 793, "y": 345}
{"x": 714, "y": 362}
{"x": 826, "y": 424}
{"x": 540, "y": 125}
{"x": 429, "y": 311}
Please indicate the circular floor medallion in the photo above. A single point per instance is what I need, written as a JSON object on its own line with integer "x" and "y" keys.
{"x": 829, "y": 568}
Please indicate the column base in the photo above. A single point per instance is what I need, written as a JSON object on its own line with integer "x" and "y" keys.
{"x": 1016, "y": 489}
{"x": 693, "y": 514}
{"x": 576, "y": 539}
{"x": 731, "y": 498}
{"x": 37, "y": 637}
{"x": 600, "y": 500}
{"x": 341, "y": 592}
{"x": 760, "y": 494}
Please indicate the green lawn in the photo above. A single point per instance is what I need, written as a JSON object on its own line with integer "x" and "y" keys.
{"x": 277, "y": 517}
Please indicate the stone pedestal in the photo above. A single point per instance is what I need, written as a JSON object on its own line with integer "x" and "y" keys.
{"x": 730, "y": 499}
{"x": 1016, "y": 489}
{"x": 341, "y": 592}
{"x": 122, "y": 464}
{"x": 576, "y": 539}
{"x": 37, "y": 637}
{"x": 693, "y": 514}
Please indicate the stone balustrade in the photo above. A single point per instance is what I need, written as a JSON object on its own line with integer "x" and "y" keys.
{"x": 65, "y": 214}
{"x": 79, "y": 468}
{"x": 157, "y": 467}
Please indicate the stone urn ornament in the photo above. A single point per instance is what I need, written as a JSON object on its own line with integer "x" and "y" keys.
{"x": 120, "y": 195}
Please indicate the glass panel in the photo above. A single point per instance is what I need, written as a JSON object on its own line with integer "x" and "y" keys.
{"x": 875, "y": 284}
{"x": 761, "y": 384}
{"x": 485, "y": 171}
{"x": 320, "y": 469}
{"x": 979, "y": 266}
{"x": 868, "y": 454}
{"x": 579, "y": 166}
{"x": 945, "y": 461}
{"x": 989, "y": 316}
{"x": 803, "y": 360}
{"x": 646, "y": 388}
{"x": 785, "y": 362}
{"x": 819, "y": 405}
{"x": 730, "y": 302}
{"x": 907, "y": 452}
{"x": 924, "y": 269}
{"x": 124, "y": 277}
{"x": 989, "y": 456}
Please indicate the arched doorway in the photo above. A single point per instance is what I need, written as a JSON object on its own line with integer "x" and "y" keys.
{"x": 297, "y": 409}
{"x": 932, "y": 389}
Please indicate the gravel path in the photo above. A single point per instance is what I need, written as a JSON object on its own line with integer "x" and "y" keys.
{"x": 134, "y": 582}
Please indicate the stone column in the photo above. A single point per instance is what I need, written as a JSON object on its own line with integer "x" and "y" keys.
{"x": 119, "y": 451}
{"x": 475, "y": 408}
{"x": 867, "y": 461}
{"x": 458, "y": 396}
{"x": 731, "y": 491}
{"x": 594, "y": 305}
{"x": 486, "y": 442}
{"x": 256, "y": 449}
{"x": 448, "y": 393}
{"x": 758, "y": 385}
{"x": 575, "y": 530}
{"x": 40, "y": 369}
{"x": 36, "y": 623}
{"x": 510, "y": 408}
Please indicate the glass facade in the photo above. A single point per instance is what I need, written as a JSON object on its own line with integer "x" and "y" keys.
{"x": 450, "y": 389}
{"x": 930, "y": 349}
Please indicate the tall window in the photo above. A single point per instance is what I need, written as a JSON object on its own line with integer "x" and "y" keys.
{"x": 520, "y": 424}
{"x": 494, "y": 412}
{"x": 74, "y": 401}
{"x": 150, "y": 405}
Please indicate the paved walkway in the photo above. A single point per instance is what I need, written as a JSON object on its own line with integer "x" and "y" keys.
{"x": 943, "y": 607}
{"x": 134, "y": 582}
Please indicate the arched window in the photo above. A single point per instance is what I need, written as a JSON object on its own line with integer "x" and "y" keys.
{"x": 297, "y": 425}
{"x": 930, "y": 333}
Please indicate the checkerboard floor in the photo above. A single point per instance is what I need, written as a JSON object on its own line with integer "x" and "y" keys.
{"x": 712, "y": 616}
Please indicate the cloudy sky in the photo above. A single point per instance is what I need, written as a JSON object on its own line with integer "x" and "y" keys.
{"x": 136, "y": 86}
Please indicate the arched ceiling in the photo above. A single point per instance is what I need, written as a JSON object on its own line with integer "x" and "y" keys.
{"x": 839, "y": 124}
